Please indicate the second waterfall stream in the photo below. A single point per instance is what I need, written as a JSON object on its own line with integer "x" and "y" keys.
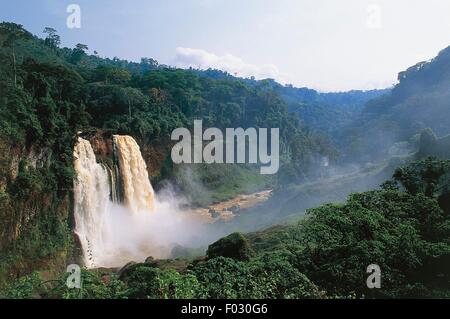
{"x": 117, "y": 217}
{"x": 137, "y": 191}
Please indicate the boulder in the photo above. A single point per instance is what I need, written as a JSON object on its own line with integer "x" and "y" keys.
{"x": 213, "y": 213}
{"x": 234, "y": 246}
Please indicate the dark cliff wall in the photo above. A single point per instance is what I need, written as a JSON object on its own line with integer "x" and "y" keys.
{"x": 35, "y": 216}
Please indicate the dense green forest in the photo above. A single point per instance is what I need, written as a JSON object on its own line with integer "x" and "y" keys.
{"x": 326, "y": 112}
{"x": 404, "y": 227}
{"x": 49, "y": 94}
{"x": 322, "y": 112}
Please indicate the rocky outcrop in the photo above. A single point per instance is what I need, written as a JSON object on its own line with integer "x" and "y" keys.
{"x": 102, "y": 144}
{"x": 34, "y": 215}
{"x": 155, "y": 154}
{"x": 234, "y": 246}
{"x": 16, "y": 215}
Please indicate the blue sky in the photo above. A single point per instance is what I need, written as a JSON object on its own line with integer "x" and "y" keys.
{"x": 329, "y": 45}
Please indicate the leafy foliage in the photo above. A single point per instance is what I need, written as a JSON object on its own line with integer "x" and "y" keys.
{"x": 24, "y": 288}
{"x": 48, "y": 94}
{"x": 405, "y": 233}
{"x": 145, "y": 281}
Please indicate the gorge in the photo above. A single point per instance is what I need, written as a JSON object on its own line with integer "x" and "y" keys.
{"x": 83, "y": 139}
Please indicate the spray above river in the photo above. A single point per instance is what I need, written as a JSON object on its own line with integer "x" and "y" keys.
{"x": 118, "y": 218}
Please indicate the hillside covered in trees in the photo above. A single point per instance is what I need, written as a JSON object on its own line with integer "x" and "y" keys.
{"x": 403, "y": 227}
{"x": 419, "y": 101}
{"x": 49, "y": 95}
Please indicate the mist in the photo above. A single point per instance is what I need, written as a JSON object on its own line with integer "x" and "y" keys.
{"x": 134, "y": 237}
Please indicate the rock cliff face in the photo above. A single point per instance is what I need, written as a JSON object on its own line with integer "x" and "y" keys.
{"x": 155, "y": 154}
{"x": 102, "y": 145}
{"x": 25, "y": 209}
{"x": 34, "y": 220}
{"x": 36, "y": 213}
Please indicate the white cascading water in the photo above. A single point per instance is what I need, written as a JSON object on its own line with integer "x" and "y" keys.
{"x": 137, "y": 191}
{"x": 91, "y": 201}
{"x": 111, "y": 232}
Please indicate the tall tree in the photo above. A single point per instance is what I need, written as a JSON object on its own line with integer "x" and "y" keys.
{"x": 52, "y": 40}
{"x": 13, "y": 33}
{"x": 78, "y": 52}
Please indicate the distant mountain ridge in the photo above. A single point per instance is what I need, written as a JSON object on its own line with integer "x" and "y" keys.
{"x": 419, "y": 101}
{"x": 324, "y": 112}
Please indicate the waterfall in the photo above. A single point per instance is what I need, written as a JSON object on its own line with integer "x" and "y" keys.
{"x": 112, "y": 206}
{"x": 91, "y": 201}
{"x": 138, "y": 193}
{"x": 114, "y": 183}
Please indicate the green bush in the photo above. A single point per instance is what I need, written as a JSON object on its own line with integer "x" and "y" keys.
{"x": 144, "y": 281}
{"x": 269, "y": 276}
{"x": 24, "y": 288}
{"x": 94, "y": 285}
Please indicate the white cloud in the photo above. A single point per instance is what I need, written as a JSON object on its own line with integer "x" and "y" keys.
{"x": 201, "y": 59}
